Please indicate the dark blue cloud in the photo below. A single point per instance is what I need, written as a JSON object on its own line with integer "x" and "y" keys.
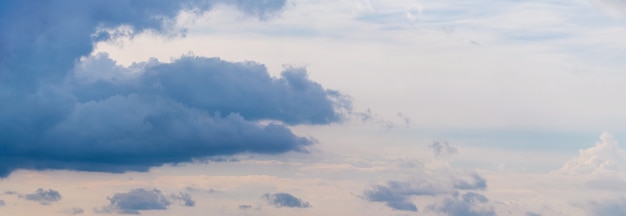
{"x": 98, "y": 116}
{"x": 280, "y": 200}
{"x": 44, "y": 197}
{"x": 42, "y": 39}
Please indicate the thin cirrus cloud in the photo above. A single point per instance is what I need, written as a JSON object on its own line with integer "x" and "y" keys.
{"x": 97, "y": 116}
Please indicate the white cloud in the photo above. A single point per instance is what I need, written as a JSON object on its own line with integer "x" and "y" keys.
{"x": 605, "y": 156}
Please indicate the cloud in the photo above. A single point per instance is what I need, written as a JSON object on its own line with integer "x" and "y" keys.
{"x": 469, "y": 204}
{"x": 75, "y": 211}
{"x": 141, "y": 199}
{"x": 94, "y": 115}
{"x": 614, "y": 7}
{"x": 532, "y": 214}
{"x": 44, "y": 197}
{"x": 244, "y": 207}
{"x": 397, "y": 194}
{"x": 280, "y": 200}
{"x": 474, "y": 182}
{"x": 605, "y": 156}
{"x": 2, "y": 203}
{"x": 615, "y": 206}
{"x": 48, "y": 37}
{"x": 442, "y": 148}
{"x": 183, "y": 199}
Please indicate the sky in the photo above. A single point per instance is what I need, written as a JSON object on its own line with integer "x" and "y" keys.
{"x": 312, "y": 107}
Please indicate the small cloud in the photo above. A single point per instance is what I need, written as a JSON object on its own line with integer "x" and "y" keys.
{"x": 469, "y": 204}
{"x": 44, "y": 197}
{"x": 442, "y": 148}
{"x": 75, "y": 211}
{"x": 472, "y": 197}
{"x": 280, "y": 200}
{"x": 397, "y": 195}
{"x": 474, "y": 182}
{"x": 244, "y": 207}
{"x": 183, "y": 199}
{"x": 2, "y": 203}
{"x": 532, "y": 214}
{"x": 195, "y": 188}
{"x": 134, "y": 201}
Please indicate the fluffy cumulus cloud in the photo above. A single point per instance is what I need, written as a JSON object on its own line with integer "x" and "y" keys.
{"x": 141, "y": 199}
{"x": 44, "y": 197}
{"x": 95, "y": 115}
{"x": 286, "y": 200}
{"x": 605, "y": 156}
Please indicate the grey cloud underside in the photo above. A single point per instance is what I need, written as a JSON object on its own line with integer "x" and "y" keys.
{"x": 280, "y": 200}
{"x": 95, "y": 115}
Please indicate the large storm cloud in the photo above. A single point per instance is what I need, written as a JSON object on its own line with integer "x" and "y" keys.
{"x": 93, "y": 115}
